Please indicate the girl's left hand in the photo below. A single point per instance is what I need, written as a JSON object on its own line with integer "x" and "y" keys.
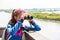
{"x": 30, "y": 21}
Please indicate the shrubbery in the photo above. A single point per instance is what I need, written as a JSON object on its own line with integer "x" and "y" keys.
{"x": 51, "y": 16}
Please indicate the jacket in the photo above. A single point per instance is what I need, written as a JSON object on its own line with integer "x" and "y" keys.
{"x": 16, "y": 30}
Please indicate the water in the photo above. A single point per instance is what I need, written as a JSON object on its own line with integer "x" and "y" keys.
{"x": 49, "y": 29}
{"x": 4, "y": 19}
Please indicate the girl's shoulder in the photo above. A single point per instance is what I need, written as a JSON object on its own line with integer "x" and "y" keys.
{"x": 11, "y": 23}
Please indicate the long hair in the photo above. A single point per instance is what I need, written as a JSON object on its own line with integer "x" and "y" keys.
{"x": 12, "y": 21}
{"x": 15, "y": 13}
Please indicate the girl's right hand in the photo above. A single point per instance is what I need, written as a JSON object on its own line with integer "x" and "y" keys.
{"x": 23, "y": 15}
{"x": 21, "y": 18}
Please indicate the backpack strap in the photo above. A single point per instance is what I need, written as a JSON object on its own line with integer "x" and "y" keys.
{"x": 7, "y": 35}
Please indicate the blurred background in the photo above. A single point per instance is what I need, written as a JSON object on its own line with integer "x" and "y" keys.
{"x": 46, "y": 13}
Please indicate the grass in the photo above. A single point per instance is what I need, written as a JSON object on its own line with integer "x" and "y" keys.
{"x": 48, "y": 16}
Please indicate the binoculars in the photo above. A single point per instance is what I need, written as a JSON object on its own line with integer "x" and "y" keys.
{"x": 28, "y": 17}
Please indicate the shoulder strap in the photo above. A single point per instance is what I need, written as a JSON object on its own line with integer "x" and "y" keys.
{"x": 7, "y": 36}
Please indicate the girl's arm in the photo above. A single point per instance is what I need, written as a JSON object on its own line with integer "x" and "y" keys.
{"x": 36, "y": 27}
{"x": 13, "y": 29}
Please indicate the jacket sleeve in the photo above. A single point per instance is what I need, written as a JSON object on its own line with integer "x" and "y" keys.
{"x": 36, "y": 27}
{"x": 13, "y": 29}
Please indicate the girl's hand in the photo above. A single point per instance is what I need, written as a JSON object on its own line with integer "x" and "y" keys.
{"x": 30, "y": 21}
{"x": 21, "y": 18}
{"x": 24, "y": 15}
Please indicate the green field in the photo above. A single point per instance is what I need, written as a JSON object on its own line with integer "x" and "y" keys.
{"x": 52, "y": 16}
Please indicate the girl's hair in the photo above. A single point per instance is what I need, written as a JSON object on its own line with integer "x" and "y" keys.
{"x": 15, "y": 12}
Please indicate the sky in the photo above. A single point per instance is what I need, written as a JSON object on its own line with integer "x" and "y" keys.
{"x": 29, "y": 4}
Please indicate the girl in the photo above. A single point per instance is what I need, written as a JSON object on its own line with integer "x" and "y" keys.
{"x": 14, "y": 26}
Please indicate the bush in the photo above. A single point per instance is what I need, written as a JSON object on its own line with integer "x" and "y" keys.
{"x": 52, "y": 16}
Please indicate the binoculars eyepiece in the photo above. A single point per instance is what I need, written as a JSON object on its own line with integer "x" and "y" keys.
{"x": 28, "y": 17}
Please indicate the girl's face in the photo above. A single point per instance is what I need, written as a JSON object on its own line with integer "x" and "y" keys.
{"x": 21, "y": 16}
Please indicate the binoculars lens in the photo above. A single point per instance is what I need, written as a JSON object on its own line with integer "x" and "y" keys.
{"x": 28, "y": 17}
